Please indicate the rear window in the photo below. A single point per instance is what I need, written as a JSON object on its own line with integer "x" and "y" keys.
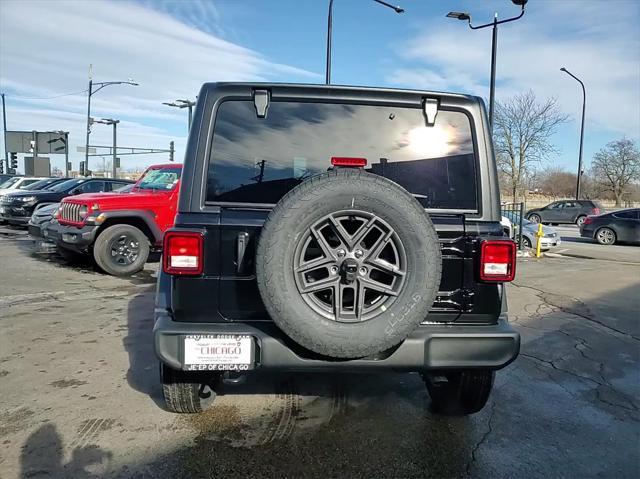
{"x": 258, "y": 160}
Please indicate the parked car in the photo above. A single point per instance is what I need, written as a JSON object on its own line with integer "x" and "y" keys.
{"x": 17, "y": 207}
{"x": 120, "y": 229}
{"x": 43, "y": 184}
{"x": 549, "y": 239}
{"x": 621, "y": 226}
{"x": 18, "y": 183}
{"x": 125, "y": 189}
{"x": 297, "y": 247}
{"x": 4, "y": 177}
{"x": 565, "y": 212}
{"x": 40, "y": 218}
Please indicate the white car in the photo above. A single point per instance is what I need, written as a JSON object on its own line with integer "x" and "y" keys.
{"x": 18, "y": 183}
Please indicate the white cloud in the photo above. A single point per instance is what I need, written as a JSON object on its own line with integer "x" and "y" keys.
{"x": 597, "y": 41}
{"x": 47, "y": 46}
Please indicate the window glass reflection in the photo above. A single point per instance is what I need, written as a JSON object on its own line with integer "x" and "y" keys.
{"x": 260, "y": 159}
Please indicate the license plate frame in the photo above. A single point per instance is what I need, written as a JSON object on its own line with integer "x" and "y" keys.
{"x": 218, "y": 352}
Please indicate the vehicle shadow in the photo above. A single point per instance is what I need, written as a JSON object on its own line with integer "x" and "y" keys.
{"x": 42, "y": 455}
{"x": 142, "y": 374}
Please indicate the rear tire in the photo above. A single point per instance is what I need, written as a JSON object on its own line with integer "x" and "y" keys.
{"x": 464, "y": 392}
{"x": 534, "y": 218}
{"x": 580, "y": 220}
{"x": 606, "y": 236}
{"x": 121, "y": 250}
{"x": 187, "y": 392}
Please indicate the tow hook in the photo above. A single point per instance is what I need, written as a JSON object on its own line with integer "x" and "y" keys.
{"x": 233, "y": 378}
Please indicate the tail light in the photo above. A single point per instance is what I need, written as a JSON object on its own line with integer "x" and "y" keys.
{"x": 498, "y": 260}
{"x": 348, "y": 161}
{"x": 595, "y": 211}
{"x": 587, "y": 221}
{"x": 183, "y": 253}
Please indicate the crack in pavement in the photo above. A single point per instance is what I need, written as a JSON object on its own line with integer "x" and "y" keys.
{"x": 598, "y": 384}
{"x": 547, "y": 298}
{"x": 482, "y": 439}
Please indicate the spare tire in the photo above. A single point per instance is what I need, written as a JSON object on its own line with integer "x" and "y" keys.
{"x": 348, "y": 264}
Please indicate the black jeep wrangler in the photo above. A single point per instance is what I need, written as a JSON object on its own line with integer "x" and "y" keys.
{"x": 327, "y": 228}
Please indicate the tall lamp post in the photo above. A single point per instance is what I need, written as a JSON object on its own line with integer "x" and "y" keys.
{"x": 183, "y": 104}
{"x": 93, "y": 91}
{"x": 494, "y": 45}
{"x": 111, "y": 121}
{"x": 584, "y": 102}
{"x": 330, "y": 28}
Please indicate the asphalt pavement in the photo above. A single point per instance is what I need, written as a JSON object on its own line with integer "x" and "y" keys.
{"x": 576, "y": 246}
{"x": 79, "y": 394}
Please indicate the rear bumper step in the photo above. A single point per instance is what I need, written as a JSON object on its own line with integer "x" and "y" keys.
{"x": 429, "y": 347}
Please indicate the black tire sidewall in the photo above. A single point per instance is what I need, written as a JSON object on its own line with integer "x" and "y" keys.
{"x": 328, "y": 193}
{"x": 101, "y": 253}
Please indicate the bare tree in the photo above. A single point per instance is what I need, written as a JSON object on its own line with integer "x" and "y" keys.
{"x": 616, "y": 166}
{"x": 556, "y": 182}
{"x": 522, "y": 133}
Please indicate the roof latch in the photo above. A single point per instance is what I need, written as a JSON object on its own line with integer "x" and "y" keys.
{"x": 430, "y": 110}
{"x": 261, "y": 102}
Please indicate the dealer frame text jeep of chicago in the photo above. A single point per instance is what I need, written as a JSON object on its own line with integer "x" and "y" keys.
{"x": 327, "y": 228}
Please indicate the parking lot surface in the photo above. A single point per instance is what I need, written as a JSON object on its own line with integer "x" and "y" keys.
{"x": 80, "y": 396}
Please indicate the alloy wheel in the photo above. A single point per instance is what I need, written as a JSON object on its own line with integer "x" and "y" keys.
{"x": 349, "y": 266}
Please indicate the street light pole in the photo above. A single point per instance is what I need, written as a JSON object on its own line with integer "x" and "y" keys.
{"x": 494, "y": 46}
{"x": 4, "y": 132}
{"x": 584, "y": 103}
{"x": 183, "y": 104}
{"x": 86, "y": 150}
{"x": 330, "y": 32}
{"x": 494, "y": 51}
{"x": 91, "y": 91}
{"x": 111, "y": 121}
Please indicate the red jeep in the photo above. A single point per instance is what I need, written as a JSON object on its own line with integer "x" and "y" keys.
{"x": 120, "y": 229}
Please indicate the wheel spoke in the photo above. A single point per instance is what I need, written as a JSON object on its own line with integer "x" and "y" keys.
{"x": 362, "y": 232}
{"x": 385, "y": 267}
{"x": 322, "y": 242}
{"x": 340, "y": 232}
{"x": 314, "y": 264}
{"x": 359, "y": 301}
{"x": 378, "y": 246}
{"x": 379, "y": 287}
{"x": 319, "y": 285}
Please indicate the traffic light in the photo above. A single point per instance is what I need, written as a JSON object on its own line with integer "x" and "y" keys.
{"x": 81, "y": 168}
{"x": 171, "y": 150}
{"x": 13, "y": 160}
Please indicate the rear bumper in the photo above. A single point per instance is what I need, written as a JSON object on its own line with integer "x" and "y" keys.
{"x": 429, "y": 347}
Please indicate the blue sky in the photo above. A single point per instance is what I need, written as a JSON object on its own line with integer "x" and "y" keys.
{"x": 171, "y": 47}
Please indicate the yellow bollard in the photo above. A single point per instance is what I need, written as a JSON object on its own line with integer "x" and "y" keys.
{"x": 539, "y": 234}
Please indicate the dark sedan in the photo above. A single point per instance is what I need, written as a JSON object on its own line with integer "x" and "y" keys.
{"x": 616, "y": 227}
{"x": 17, "y": 207}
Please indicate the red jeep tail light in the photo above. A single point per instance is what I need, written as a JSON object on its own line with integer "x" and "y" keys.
{"x": 498, "y": 260}
{"x": 588, "y": 220}
{"x": 348, "y": 161}
{"x": 595, "y": 211}
{"x": 183, "y": 253}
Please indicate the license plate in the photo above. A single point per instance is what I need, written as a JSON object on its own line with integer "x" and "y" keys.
{"x": 218, "y": 352}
